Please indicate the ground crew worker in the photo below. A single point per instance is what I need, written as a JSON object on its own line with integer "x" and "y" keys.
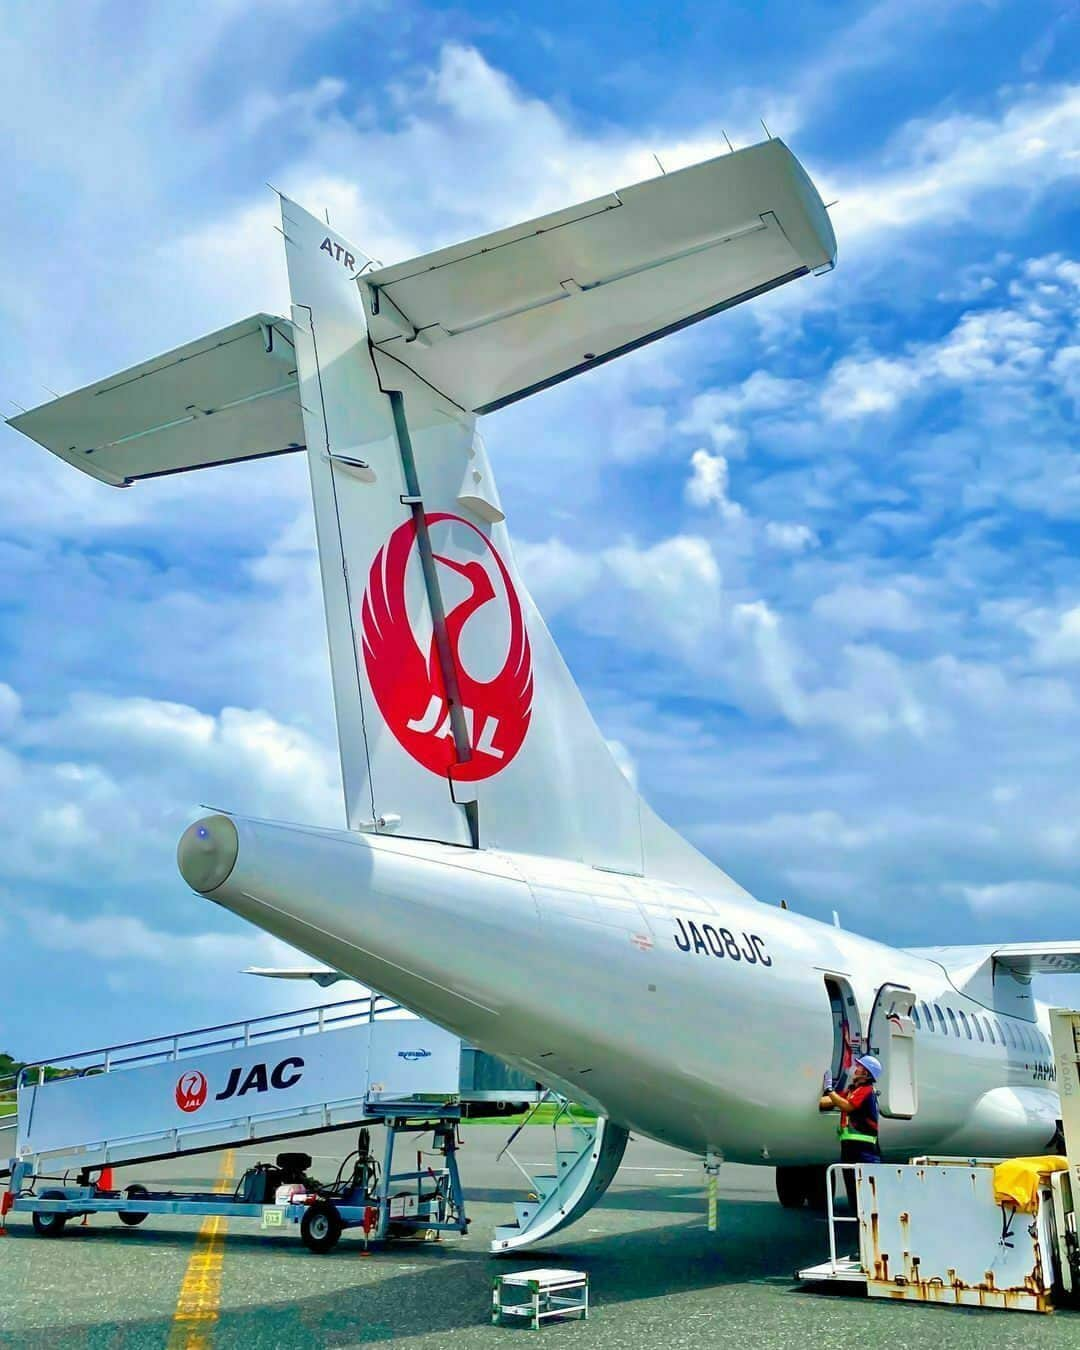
{"x": 858, "y": 1109}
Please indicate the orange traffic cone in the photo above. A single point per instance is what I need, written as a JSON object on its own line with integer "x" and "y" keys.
{"x": 105, "y": 1180}
{"x": 6, "y": 1201}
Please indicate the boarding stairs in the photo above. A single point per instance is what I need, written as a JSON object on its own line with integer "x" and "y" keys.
{"x": 266, "y": 1078}
{"x": 587, "y": 1154}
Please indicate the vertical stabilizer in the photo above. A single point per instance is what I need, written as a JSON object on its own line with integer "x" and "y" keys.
{"x": 457, "y": 717}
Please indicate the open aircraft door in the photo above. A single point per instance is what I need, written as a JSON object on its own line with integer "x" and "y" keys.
{"x": 891, "y": 1036}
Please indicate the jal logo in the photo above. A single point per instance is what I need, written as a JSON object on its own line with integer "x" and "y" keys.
{"x": 414, "y": 1054}
{"x": 191, "y": 1090}
{"x": 338, "y": 253}
{"x": 485, "y": 627}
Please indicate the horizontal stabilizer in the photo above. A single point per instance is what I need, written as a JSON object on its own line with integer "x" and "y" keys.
{"x": 1039, "y": 958}
{"x": 228, "y": 396}
{"x": 1020, "y": 958}
{"x": 500, "y": 317}
{"x": 323, "y": 976}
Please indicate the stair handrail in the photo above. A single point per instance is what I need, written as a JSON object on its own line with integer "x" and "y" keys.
{"x": 528, "y": 1117}
{"x": 104, "y": 1060}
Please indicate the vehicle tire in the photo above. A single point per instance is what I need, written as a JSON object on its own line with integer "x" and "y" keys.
{"x": 132, "y": 1217}
{"x": 49, "y": 1225}
{"x": 791, "y": 1187}
{"x": 320, "y": 1227}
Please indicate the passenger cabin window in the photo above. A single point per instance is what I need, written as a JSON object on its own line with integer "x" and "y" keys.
{"x": 952, "y": 1022}
{"x": 928, "y": 1017}
{"x": 915, "y": 1016}
{"x": 978, "y": 1026}
{"x": 1000, "y": 1032}
{"x": 964, "y": 1024}
{"x": 940, "y": 1020}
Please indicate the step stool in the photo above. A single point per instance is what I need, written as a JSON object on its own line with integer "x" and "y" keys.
{"x": 548, "y": 1293}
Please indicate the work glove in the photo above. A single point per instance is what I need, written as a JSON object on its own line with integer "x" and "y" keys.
{"x": 826, "y": 1083}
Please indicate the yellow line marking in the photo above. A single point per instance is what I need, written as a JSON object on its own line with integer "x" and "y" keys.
{"x": 199, "y": 1302}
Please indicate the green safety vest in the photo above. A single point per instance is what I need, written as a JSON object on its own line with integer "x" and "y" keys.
{"x": 847, "y": 1133}
{"x": 852, "y": 1132}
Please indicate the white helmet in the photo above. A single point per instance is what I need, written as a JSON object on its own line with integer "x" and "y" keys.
{"x": 871, "y": 1064}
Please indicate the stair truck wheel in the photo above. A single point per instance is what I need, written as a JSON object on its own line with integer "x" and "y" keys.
{"x": 132, "y": 1217}
{"x": 49, "y": 1225}
{"x": 320, "y": 1227}
{"x": 791, "y": 1187}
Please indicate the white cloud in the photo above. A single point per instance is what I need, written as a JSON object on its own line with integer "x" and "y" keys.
{"x": 1020, "y": 897}
{"x": 866, "y": 608}
{"x": 790, "y": 536}
{"x": 709, "y": 484}
{"x": 105, "y": 787}
{"x": 10, "y": 704}
{"x": 118, "y": 938}
{"x": 961, "y": 167}
{"x": 994, "y": 349}
{"x": 715, "y": 412}
{"x": 1058, "y": 642}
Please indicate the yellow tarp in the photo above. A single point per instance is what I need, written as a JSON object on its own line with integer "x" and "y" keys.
{"x": 1016, "y": 1182}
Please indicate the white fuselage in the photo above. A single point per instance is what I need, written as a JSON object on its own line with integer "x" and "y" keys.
{"x": 628, "y": 994}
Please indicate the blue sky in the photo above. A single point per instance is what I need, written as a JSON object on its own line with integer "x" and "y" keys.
{"x": 818, "y": 571}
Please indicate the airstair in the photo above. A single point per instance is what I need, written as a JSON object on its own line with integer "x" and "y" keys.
{"x": 263, "y": 1079}
{"x": 587, "y": 1154}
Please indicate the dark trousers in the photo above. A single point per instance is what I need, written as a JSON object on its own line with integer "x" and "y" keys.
{"x": 854, "y": 1151}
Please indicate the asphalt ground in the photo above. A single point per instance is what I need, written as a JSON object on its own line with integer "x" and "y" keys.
{"x": 657, "y": 1276}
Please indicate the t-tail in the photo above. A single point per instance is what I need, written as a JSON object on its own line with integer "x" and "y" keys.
{"x": 458, "y": 720}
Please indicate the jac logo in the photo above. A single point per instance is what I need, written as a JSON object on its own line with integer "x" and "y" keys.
{"x": 414, "y": 1054}
{"x": 192, "y": 1087}
{"x": 407, "y": 680}
{"x": 338, "y": 253}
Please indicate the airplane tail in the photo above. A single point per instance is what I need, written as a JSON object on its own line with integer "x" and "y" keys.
{"x": 458, "y": 720}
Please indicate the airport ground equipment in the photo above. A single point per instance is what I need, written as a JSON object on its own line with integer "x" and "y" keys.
{"x": 983, "y": 1232}
{"x": 932, "y": 1231}
{"x": 548, "y": 1293}
{"x": 386, "y": 1204}
{"x": 587, "y": 1153}
{"x": 263, "y": 1079}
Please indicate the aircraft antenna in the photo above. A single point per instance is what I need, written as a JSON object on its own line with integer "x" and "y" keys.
{"x": 767, "y": 131}
{"x": 727, "y": 138}
{"x": 658, "y": 164}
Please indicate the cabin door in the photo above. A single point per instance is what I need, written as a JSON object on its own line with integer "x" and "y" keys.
{"x": 847, "y": 1029}
{"x": 891, "y": 1036}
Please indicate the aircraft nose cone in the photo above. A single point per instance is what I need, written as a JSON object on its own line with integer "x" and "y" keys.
{"x": 206, "y": 853}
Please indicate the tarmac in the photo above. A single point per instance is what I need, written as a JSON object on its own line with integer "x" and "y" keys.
{"x": 657, "y": 1277}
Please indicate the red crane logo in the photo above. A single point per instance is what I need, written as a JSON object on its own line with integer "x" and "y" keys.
{"x": 191, "y": 1090}
{"x": 407, "y": 681}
